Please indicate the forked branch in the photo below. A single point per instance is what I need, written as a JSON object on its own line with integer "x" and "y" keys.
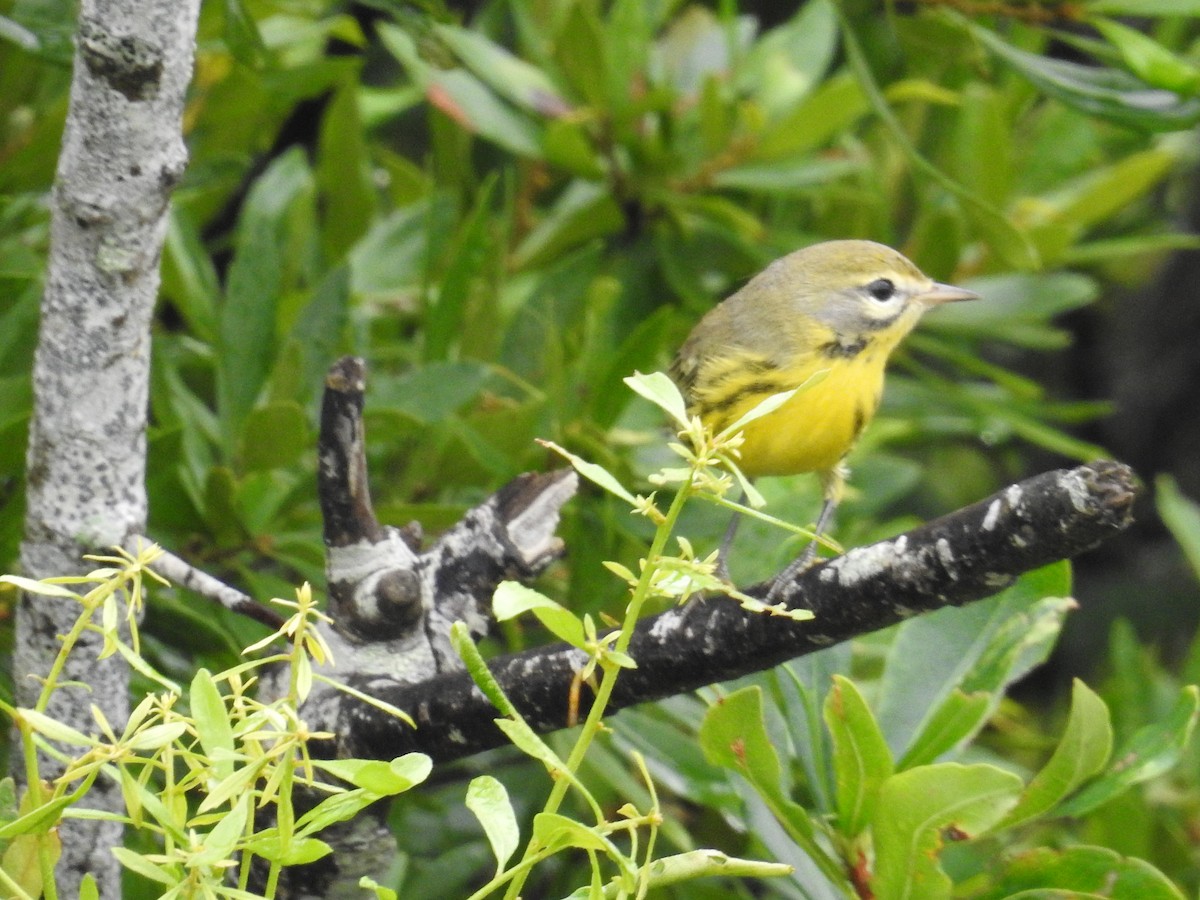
{"x": 957, "y": 559}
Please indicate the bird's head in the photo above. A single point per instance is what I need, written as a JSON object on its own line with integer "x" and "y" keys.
{"x": 861, "y": 287}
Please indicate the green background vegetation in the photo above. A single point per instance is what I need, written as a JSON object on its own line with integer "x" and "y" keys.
{"x": 506, "y": 210}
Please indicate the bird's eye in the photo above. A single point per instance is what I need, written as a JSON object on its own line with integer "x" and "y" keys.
{"x": 881, "y": 289}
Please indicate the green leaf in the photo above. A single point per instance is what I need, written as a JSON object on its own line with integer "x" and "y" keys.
{"x": 1181, "y": 516}
{"x": 18, "y": 34}
{"x": 246, "y": 334}
{"x": 579, "y": 50}
{"x": 472, "y": 248}
{"x": 464, "y": 98}
{"x": 984, "y": 157}
{"x": 1104, "y": 192}
{"x": 1009, "y": 243}
{"x": 832, "y": 109}
{"x": 319, "y": 330}
{"x": 22, "y": 861}
{"x": 55, "y": 730}
{"x": 734, "y": 735}
{"x": 1108, "y": 250}
{"x": 218, "y": 843}
{"x": 979, "y": 648}
{"x": 383, "y": 779}
{"x": 583, "y": 212}
{"x": 242, "y": 36}
{"x": 567, "y": 145}
{"x": 554, "y": 831}
{"x": 343, "y": 176}
{"x": 527, "y": 741}
{"x": 801, "y": 689}
{"x": 512, "y": 77}
{"x": 297, "y": 851}
{"x": 135, "y": 862}
{"x": 1148, "y": 59}
{"x": 488, "y": 800}
{"x": 1105, "y": 93}
{"x": 188, "y": 275}
{"x": 1018, "y": 309}
{"x": 1075, "y": 872}
{"x": 233, "y": 786}
{"x": 392, "y": 258}
{"x": 381, "y": 893}
{"x": 861, "y": 759}
{"x": 660, "y": 390}
{"x": 792, "y": 176}
{"x": 274, "y": 437}
{"x": 33, "y": 586}
{"x": 919, "y": 810}
{"x": 598, "y": 475}
{"x": 640, "y": 347}
{"x": 434, "y": 392}
{"x": 954, "y": 721}
{"x": 335, "y": 808}
{"x": 1151, "y": 751}
{"x": 681, "y": 867}
{"x": 37, "y": 821}
{"x": 1081, "y": 752}
{"x": 156, "y": 736}
{"x": 788, "y": 62}
{"x": 511, "y": 599}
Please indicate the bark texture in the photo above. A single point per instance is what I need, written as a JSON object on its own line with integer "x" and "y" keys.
{"x": 122, "y": 154}
{"x": 393, "y": 603}
{"x": 959, "y": 558}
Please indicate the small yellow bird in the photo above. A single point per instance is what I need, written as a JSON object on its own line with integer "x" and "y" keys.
{"x": 840, "y": 307}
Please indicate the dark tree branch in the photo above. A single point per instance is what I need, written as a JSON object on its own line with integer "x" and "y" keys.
{"x": 960, "y": 558}
{"x": 384, "y": 591}
{"x": 183, "y": 574}
{"x": 393, "y": 604}
{"x": 391, "y": 601}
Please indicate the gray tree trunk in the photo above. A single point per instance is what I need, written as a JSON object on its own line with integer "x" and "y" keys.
{"x": 122, "y": 154}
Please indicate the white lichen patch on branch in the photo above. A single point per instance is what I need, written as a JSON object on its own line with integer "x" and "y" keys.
{"x": 992, "y": 515}
{"x": 945, "y": 553}
{"x": 1076, "y": 490}
{"x": 532, "y": 530}
{"x": 998, "y": 580}
{"x": 865, "y": 563}
{"x": 665, "y": 625}
{"x": 363, "y": 559}
{"x": 1013, "y": 495}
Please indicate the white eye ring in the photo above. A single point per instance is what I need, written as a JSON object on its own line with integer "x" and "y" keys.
{"x": 881, "y": 289}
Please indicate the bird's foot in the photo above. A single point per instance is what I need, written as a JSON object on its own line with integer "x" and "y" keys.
{"x": 805, "y": 562}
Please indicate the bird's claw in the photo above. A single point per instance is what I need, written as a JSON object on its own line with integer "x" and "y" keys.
{"x": 802, "y": 564}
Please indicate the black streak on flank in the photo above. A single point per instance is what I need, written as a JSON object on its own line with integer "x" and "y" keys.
{"x": 860, "y": 420}
{"x": 760, "y": 389}
{"x": 761, "y": 366}
{"x": 835, "y": 349}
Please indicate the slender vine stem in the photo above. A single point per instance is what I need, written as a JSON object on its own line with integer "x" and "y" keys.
{"x": 610, "y": 670}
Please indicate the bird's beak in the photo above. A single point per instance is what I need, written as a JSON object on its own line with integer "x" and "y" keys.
{"x": 945, "y": 293}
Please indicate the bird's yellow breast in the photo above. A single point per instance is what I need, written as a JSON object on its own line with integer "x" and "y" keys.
{"x": 816, "y": 427}
{"x": 819, "y": 425}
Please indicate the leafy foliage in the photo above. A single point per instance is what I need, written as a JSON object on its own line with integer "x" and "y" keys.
{"x": 192, "y": 781}
{"x": 508, "y": 215}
